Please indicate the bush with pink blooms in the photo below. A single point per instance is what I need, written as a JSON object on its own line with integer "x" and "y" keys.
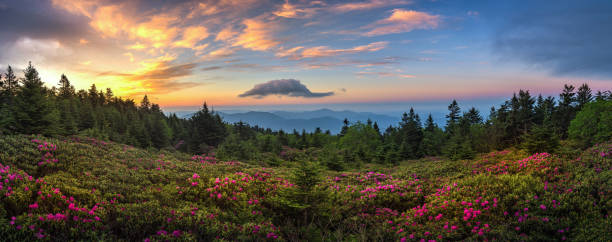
{"x": 85, "y": 189}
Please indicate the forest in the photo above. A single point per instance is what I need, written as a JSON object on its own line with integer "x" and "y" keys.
{"x": 89, "y": 165}
{"x": 577, "y": 119}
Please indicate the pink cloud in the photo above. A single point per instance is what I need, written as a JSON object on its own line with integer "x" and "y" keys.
{"x": 402, "y": 21}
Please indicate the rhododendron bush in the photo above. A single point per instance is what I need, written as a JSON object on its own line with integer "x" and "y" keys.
{"x": 86, "y": 189}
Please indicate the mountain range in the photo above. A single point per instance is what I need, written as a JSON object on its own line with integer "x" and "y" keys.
{"x": 326, "y": 119}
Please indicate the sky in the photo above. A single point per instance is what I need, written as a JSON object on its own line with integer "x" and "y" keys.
{"x": 366, "y": 54}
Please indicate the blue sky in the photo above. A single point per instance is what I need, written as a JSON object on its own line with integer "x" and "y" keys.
{"x": 368, "y": 55}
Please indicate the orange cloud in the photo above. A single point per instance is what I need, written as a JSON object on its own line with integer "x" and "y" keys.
{"x": 324, "y": 51}
{"x": 191, "y": 36}
{"x": 218, "y": 53}
{"x": 155, "y": 77}
{"x": 256, "y": 36}
{"x": 404, "y": 21}
{"x": 226, "y": 34}
{"x": 291, "y": 11}
{"x": 292, "y": 53}
{"x": 346, "y": 7}
{"x": 109, "y": 20}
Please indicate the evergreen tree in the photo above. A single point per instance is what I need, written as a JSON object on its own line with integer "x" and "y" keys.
{"x": 32, "y": 108}
{"x": 473, "y": 116}
{"x": 92, "y": 95}
{"x": 345, "y": 127}
{"x": 145, "y": 104}
{"x": 207, "y": 128}
{"x": 583, "y": 96}
{"x": 11, "y": 83}
{"x": 454, "y": 112}
{"x": 566, "y": 110}
{"x": 65, "y": 89}
{"x": 376, "y": 128}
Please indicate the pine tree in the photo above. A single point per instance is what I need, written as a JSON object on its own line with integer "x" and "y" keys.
{"x": 33, "y": 108}
{"x": 583, "y": 96}
{"x": 473, "y": 116}
{"x": 11, "y": 83}
{"x": 92, "y": 95}
{"x": 345, "y": 127}
{"x": 65, "y": 90}
{"x": 453, "y": 116}
{"x": 145, "y": 104}
{"x": 207, "y": 128}
{"x": 566, "y": 110}
{"x": 376, "y": 128}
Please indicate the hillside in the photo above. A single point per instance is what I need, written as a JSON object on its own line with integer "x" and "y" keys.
{"x": 87, "y": 189}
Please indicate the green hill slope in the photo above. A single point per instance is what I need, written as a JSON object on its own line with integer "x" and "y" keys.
{"x": 86, "y": 189}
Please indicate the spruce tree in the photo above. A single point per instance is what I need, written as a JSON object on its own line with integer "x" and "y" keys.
{"x": 33, "y": 109}
{"x": 65, "y": 89}
{"x": 454, "y": 113}
{"x": 11, "y": 83}
{"x": 583, "y": 96}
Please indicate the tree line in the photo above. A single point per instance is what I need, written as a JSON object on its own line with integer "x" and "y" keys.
{"x": 576, "y": 118}
{"x": 29, "y": 107}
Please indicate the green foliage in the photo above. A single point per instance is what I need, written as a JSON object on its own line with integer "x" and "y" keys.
{"x": 34, "y": 113}
{"x": 133, "y": 194}
{"x": 542, "y": 138}
{"x": 593, "y": 124}
{"x": 361, "y": 140}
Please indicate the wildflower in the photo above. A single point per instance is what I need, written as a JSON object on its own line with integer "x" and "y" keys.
{"x": 543, "y": 207}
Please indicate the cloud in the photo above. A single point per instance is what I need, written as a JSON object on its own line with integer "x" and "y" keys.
{"x": 226, "y": 34}
{"x": 38, "y": 20}
{"x": 218, "y": 54}
{"x": 385, "y": 74}
{"x": 346, "y": 7}
{"x": 567, "y": 39}
{"x": 256, "y": 36}
{"x": 36, "y": 50}
{"x": 283, "y": 87}
{"x": 156, "y": 77}
{"x": 289, "y": 10}
{"x": 211, "y": 68}
{"x": 191, "y": 36}
{"x": 300, "y": 52}
{"x": 473, "y": 13}
{"x": 402, "y": 21}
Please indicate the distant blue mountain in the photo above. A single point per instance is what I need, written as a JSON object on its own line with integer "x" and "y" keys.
{"x": 326, "y": 119}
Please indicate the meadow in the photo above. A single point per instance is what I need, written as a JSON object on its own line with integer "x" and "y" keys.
{"x": 78, "y": 188}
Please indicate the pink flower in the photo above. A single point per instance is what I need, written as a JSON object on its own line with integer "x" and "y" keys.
{"x": 543, "y": 207}
{"x": 219, "y": 196}
{"x": 195, "y": 176}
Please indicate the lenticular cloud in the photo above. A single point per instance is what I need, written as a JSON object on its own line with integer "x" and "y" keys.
{"x": 284, "y": 87}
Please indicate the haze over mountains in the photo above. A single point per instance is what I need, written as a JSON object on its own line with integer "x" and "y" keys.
{"x": 326, "y": 119}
